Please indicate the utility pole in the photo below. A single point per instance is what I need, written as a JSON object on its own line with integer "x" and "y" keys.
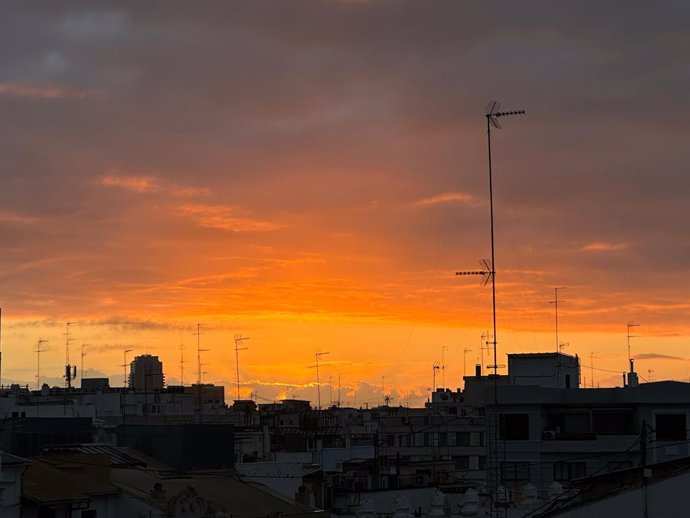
{"x": 435, "y": 367}
{"x": 238, "y": 341}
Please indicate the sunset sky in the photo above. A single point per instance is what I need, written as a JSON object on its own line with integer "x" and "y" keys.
{"x": 311, "y": 174}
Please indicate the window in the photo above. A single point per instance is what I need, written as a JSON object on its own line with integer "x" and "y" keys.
{"x": 569, "y": 470}
{"x": 619, "y": 464}
{"x": 670, "y": 427}
{"x": 462, "y": 463}
{"x": 462, "y": 438}
{"x": 613, "y": 421}
{"x": 514, "y": 427}
{"x": 514, "y": 471}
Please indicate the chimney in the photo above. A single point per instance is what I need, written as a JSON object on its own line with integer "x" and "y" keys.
{"x": 478, "y": 371}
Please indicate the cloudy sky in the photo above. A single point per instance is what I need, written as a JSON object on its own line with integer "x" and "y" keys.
{"x": 311, "y": 174}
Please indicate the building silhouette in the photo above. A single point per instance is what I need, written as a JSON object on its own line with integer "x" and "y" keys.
{"x": 146, "y": 374}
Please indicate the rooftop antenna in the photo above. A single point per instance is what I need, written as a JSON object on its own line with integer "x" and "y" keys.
{"x": 181, "y": 359}
{"x": 630, "y": 325}
{"x": 70, "y": 372}
{"x": 492, "y": 115}
{"x": 199, "y": 350}
{"x": 443, "y": 365}
{"x": 383, "y": 389}
{"x": 591, "y": 366}
{"x": 318, "y": 355}
{"x": 238, "y": 341}
{"x": 83, "y": 353}
{"x": 39, "y": 350}
{"x": 435, "y": 367}
{"x": 464, "y": 361}
{"x": 649, "y": 375}
{"x": 555, "y": 303}
{"x": 124, "y": 366}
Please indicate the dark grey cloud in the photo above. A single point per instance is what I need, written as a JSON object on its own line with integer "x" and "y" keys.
{"x": 656, "y": 356}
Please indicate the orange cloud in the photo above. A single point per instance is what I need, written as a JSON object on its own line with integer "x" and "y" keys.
{"x": 447, "y": 197}
{"x": 142, "y": 183}
{"x": 131, "y": 183}
{"x": 47, "y": 92}
{"x": 225, "y": 218}
{"x": 599, "y": 246}
{"x": 13, "y": 217}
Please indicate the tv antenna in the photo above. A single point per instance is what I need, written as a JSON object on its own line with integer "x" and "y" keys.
{"x": 83, "y": 353}
{"x": 181, "y": 359}
{"x": 70, "y": 370}
{"x": 238, "y": 341}
{"x": 39, "y": 350}
{"x": 631, "y": 325}
{"x": 493, "y": 114}
{"x": 555, "y": 303}
{"x": 199, "y": 350}
{"x": 443, "y": 366}
{"x": 464, "y": 361}
{"x": 318, "y": 355}
{"x": 486, "y": 272}
{"x": 124, "y": 366}
{"x": 435, "y": 367}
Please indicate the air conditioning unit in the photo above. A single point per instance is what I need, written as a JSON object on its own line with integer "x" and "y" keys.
{"x": 549, "y": 435}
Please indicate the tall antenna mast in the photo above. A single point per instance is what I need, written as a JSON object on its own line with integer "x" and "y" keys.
{"x": 435, "y": 367}
{"x": 558, "y": 344}
{"x": 39, "y": 350}
{"x": 199, "y": 350}
{"x": 181, "y": 359}
{"x": 69, "y": 373}
{"x": 124, "y": 366}
{"x": 318, "y": 355}
{"x": 555, "y": 303}
{"x": 464, "y": 362}
{"x": 238, "y": 341}
{"x": 443, "y": 365}
{"x": 631, "y": 324}
{"x": 83, "y": 353}
{"x": 492, "y": 115}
